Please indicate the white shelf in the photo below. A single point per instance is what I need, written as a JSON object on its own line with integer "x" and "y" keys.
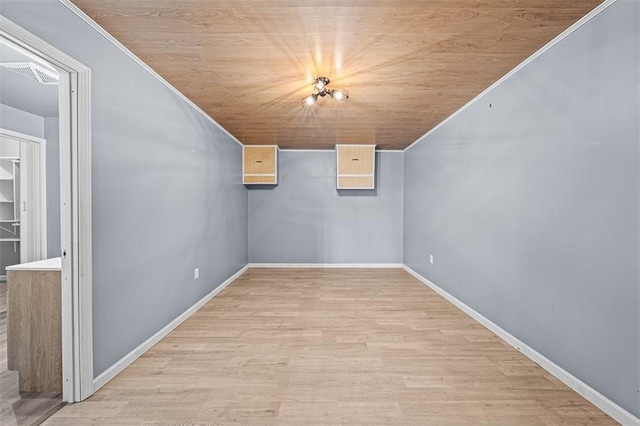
{"x": 15, "y": 240}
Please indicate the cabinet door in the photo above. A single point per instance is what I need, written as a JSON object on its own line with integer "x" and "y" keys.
{"x": 259, "y": 160}
{"x": 355, "y": 160}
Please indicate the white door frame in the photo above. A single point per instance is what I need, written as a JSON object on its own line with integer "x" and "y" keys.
{"x": 75, "y": 205}
{"x": 41, "y": 175}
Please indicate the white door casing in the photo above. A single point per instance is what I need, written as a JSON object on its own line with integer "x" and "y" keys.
{"x": 75, "y": 201}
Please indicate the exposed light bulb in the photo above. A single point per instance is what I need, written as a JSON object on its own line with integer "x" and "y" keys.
{"x": 309, "y": 100}
{"x": 340, "y": 95}
{"x": 321, "y": 84}
{"x": 320, "y": 90}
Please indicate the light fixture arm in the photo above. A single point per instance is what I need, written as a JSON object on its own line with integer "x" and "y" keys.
{"x": 320, "y": 90}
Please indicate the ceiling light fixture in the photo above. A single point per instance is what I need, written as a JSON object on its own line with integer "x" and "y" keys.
{"x": 320, "y": 89}
{"x": 32, "y": 71}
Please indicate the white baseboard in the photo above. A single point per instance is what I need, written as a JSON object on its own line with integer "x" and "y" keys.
{"x": 326, "y": 265}
{"x": 126, "y": 360}
{"x": 590, "y": 394}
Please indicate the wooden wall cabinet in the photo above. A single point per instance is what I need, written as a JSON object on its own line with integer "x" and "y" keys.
{"x": 260, "y": 164}
{"x": 356, "y": 166}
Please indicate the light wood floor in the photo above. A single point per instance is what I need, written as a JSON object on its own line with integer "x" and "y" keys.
{"x": 28, "y": 408}
{"x": 331, "y": 347}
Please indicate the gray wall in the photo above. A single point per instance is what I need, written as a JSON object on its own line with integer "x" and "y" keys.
{"x": 306, "y": 220}
{"x": 530, "y": 206}
{"x": 21, "y": 121}
{"x": 167, "y": 192}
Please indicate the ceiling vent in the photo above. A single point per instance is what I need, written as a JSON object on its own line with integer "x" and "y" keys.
{"x": 32, "y": 72}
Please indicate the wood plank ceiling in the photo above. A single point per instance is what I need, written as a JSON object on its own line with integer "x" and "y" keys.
{"x": 406, "y": 64}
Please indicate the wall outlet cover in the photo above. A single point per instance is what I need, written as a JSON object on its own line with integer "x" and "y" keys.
{"x": 196, "y": 273}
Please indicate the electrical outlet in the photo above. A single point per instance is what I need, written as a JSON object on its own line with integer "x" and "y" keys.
{"x": 196, "y": 273}
{"x": 431, "y": 259}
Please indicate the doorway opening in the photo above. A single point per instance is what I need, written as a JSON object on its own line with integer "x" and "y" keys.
{"x": 73, "y": 209}
{"x": 25, "y": 198}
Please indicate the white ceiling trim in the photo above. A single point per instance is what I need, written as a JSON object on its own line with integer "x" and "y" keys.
{"x": 93, "y": 24}
{"x": 586, "y": 18}
{"x": 73, "y": 8}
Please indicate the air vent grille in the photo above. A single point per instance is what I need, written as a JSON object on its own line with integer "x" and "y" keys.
{"x": 32, "y": 72}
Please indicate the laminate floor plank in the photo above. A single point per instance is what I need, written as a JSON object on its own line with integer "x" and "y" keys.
{"x": 331, "y": 347}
